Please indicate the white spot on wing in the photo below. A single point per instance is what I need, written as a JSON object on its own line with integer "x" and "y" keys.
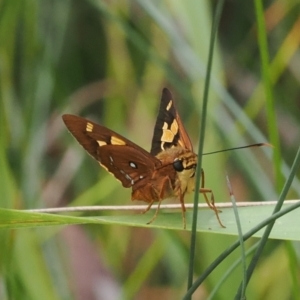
{"x": 132, "y": 165}
{"x": 127, "y": 177}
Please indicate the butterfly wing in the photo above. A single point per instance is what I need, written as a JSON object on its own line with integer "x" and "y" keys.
{"x": 128, "y": 162}
{"x": 169, "y": 130}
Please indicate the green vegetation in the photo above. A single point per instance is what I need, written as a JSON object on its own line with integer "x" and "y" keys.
{"x": 108, "y": 61}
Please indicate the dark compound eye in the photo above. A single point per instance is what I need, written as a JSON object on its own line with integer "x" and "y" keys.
{"x": 178, "y": 166}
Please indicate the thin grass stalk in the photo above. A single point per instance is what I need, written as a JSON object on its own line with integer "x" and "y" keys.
{"x": 268, "y": 230}
{"x": 215, "y": 23}
{"x": 229, "y": 250}
{"x": 240, "y": 233}
{"x": 229, "y": 271}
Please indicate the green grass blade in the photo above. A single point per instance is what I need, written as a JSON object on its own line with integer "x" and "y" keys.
{"x": 215, "y": 24}
{"x": 251, "y": 217}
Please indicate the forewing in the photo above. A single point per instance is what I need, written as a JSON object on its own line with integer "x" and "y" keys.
{"x": 125, "y": 160}
{"x": 169, "y": 130}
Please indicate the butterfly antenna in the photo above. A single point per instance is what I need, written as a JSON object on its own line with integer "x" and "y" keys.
{"x": 240, "y": 147}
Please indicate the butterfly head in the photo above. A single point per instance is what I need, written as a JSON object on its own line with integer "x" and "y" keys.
{"x": 184, "y": 162}
{"x": 185, "y": 165}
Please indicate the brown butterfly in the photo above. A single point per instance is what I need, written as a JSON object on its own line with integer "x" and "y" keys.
{"x": 167, "y": 171}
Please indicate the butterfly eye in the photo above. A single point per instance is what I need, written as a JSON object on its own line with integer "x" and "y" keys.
{"x": 178, "y": 166}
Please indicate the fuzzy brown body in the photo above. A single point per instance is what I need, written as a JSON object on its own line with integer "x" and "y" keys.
{"x": 165, "y": 181}
{"x": 167, "y": 171}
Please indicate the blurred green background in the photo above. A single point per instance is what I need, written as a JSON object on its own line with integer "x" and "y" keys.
{"x": 108, "y": 61}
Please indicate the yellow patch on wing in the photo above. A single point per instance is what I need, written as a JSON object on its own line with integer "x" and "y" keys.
{"x": 169, "y": 134}
{"x": 116, "y": 141}
{"x": 174, "y": 127}
{"x": 89, "y": 127}
{"x": 101, "y": 143}
{"x": 169, "y": 105}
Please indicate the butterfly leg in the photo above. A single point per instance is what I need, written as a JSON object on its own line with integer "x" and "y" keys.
{"x": 181, "y": 199}
{"x": 148, "y": 207}
{"x": 211, "y": 202}
{"x": 146, "y": 193}
{"x": 156, "y": 212}
{"x": 165, "y": 186}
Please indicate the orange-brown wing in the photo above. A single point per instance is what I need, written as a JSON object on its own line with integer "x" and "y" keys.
{"x": 128, "y": 162}
{"x": 169, "y": 130}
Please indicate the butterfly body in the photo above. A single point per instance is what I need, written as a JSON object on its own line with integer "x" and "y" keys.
{"x": 185, "y": 161}
{"x": 167, "y": 171}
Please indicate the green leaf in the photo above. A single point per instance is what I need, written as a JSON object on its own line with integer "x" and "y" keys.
{"x": 287, "y": 227}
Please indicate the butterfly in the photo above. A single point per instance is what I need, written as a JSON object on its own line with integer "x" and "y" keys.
{"x": 167, "y": 171}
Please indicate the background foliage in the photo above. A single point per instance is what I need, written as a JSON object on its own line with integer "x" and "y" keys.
{"x": 108, "y": 61}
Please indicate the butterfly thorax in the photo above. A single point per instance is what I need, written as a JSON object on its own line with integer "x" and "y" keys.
{"x": 182, "y": 163}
